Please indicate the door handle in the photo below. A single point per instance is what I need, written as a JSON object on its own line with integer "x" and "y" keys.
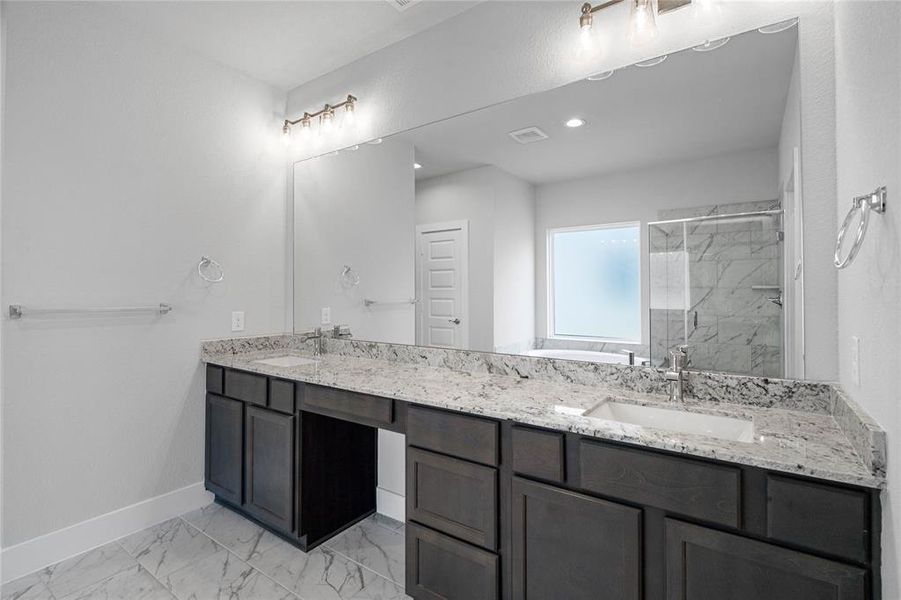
{"x": 454, "y": 321}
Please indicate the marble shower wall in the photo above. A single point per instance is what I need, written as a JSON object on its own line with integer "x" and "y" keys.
{"x": 702, "y": 279}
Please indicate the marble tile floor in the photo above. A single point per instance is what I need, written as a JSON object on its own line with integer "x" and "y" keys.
{"x": 216, "y": 554}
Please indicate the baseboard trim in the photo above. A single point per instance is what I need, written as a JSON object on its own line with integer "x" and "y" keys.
{"x": 37, "y": 553}
{"x": 391, "y": 504}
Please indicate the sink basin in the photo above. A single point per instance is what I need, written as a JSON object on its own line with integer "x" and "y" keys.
{"x": 726, "y": 428}
{"x": 286, "y": 361}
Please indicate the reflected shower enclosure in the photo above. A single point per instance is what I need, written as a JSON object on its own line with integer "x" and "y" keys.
{"x": 715, "y": 280}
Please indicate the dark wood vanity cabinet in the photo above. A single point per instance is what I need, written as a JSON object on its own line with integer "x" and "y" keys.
{"x": 505, "y": 511}
{"x": 703, "y": 563}
{"x": 568, "y": 545}
{"x": 269, "y": 467}
{"x": 224, "y": 461}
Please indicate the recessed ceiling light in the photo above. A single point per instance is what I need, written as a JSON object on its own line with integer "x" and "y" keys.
{"x": 575, "y": 122}
{"x": 600, "y": 76}
{"x": 417, "y": 166}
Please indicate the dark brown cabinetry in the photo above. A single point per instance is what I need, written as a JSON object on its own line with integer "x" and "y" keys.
{"x": 224, "y": 461}
{"x": 703, "y": 563}
{"x": 269, "y": 467}
{"x": 568, "y": 545}
{"x": 501, "y": 510}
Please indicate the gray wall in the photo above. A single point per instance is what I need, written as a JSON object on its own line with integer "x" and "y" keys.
{"x": 124, "y": 161}
{"x": 868, "y": 74}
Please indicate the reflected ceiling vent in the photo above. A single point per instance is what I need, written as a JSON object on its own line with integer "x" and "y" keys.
{"x": 529, "y": 135}
{"x": 402, "y": 5}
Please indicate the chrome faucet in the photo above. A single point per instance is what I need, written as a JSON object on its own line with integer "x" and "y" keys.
{"x": 678, "y": 362}
{"x": 316, "y": 335}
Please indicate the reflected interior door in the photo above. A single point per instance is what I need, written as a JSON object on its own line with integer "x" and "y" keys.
{"x": 442, "y": 277}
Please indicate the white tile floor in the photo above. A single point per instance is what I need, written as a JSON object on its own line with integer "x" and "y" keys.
{"x": 216, "y": 554}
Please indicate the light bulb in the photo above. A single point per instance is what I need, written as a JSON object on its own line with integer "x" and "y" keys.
{"x": 643, "y": 22}
{"x": 326, "y": 121}
{"x": 286, "y": 134}
{"x": 350, "y": 114}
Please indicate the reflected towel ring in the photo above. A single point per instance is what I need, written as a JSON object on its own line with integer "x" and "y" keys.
{"x": 206, "y": 263}
{"x": 873, "y": 202}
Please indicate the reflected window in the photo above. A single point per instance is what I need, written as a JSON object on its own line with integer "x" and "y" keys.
{"x": 594, "y": 279}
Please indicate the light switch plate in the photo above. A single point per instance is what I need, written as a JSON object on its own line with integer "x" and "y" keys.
{"x": 326, "y": 318}
{"x": 855, "y": 360}
{"x": 238, "y": 320}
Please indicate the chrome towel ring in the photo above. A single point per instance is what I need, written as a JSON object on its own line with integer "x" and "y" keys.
{"x": 872, "y": 202}
{"x": 208, "y": 264}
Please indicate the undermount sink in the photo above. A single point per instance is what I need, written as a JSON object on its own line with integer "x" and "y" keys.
{"x": 286, "y": 361}
{"x": 727, "y": 428}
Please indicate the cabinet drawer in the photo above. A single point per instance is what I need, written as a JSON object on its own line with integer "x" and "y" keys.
{"x": 245, "y": 386}
{"x": 538, "y": 453}
{"x": 693, "y": 488}
{"x": 362, "y": 408}
{"x": 442, "y": 568}
{"x": 281, "y": 395}
{"x": 453, "y": 496}
{"x": 820, "y": 517}
{"x": 214, "y": 376}
{"x": 705, "y": 564}
{"x": 459, "y": 435}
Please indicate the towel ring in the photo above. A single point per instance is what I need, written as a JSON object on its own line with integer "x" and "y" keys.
{"x": 349, "y": 277}
{"x": 205, "y": 263}
{"x": 873, "y": 202}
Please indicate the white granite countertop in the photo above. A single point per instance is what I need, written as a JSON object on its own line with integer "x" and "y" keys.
{"x": 790, "y": 441}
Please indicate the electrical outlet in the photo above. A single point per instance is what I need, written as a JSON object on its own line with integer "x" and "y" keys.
{"x": 326, "y": 318}
{"x": 855, "y": 360}
{"x": 238, "y": 320}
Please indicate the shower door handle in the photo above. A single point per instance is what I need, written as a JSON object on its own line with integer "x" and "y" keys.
{"x": 454, "y": 321}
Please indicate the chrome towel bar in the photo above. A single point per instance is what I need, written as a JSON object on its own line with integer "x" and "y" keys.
{"x": 17, "y": 311}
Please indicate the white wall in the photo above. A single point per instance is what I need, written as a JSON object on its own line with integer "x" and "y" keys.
{"x": 514, "y": 263}
{"x": 124, "y": 161}
{"x": 517, "y": 48}
{"x": 500, "y": 209}
{"x": 868, "y": 86}
{"x": 356, "y": 209}
{"x": 638, "y": 195}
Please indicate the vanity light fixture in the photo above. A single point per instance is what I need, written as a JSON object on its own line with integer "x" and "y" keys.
{"x": 574, "y": 122}
{"x": 326, "y": 118}
{"x": 642, "y": 18}
{"x": 711, "y": 45}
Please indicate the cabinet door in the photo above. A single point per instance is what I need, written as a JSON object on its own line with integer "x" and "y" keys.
{"x": 224, "y": 435}
{"x": 269, "y": 467}
{"x": 566, "y": 545}
{"x": 704, "y": 563}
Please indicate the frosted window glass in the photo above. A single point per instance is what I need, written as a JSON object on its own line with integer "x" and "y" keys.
{"x": 596, "y": 283}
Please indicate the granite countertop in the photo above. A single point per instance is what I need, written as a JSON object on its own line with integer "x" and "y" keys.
{"x": 790, "y": 441}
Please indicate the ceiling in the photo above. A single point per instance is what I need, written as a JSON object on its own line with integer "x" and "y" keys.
{"x": 693, "y": 105}
{"x": 285, "y": 44}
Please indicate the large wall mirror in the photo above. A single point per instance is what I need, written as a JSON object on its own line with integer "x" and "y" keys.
{"x": 610, "y": 220}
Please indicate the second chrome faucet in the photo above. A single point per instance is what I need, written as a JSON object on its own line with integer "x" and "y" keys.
{"x": 678, "y": 362}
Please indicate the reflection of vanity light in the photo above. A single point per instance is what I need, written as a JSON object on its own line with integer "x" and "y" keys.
{"x": 574, "y": 122}
{"x": 375, "y": 141}
{"x": 651, "y": 62}
{"x": 417, "y": 166}
{"x": 779, "y": 27}
{"x": 569, "y": 410}
{"x": 601, "y": 76}
{"x": 711, "y": 45}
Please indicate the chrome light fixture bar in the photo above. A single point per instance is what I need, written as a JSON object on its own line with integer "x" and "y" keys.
{"x": 326, "y": 117}
{"x": 642, "y": 20}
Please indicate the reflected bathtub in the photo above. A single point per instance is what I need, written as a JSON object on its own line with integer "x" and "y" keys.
{"x": 586, "y": 356}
